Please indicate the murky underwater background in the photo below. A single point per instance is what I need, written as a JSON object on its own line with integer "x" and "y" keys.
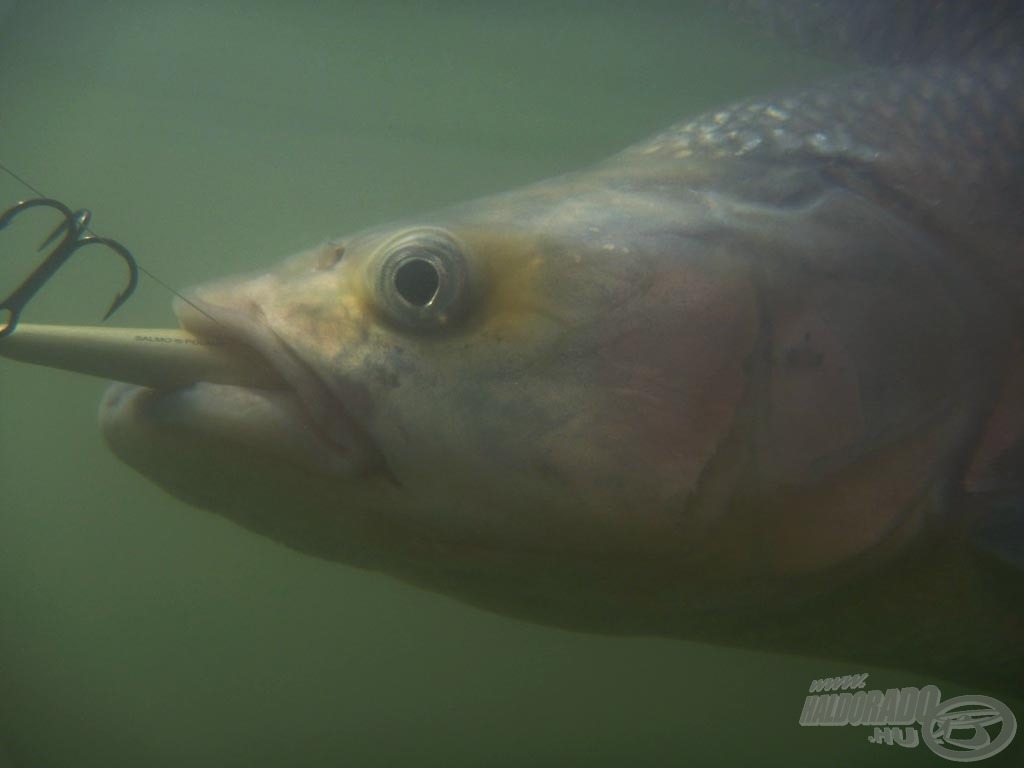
{"x": 216, "y": 137}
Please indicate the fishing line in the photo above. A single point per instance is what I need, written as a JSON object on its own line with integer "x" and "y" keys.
{"x": 141, "y": 268}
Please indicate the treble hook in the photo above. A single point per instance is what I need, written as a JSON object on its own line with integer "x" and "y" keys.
{"x": 74, "y": 225}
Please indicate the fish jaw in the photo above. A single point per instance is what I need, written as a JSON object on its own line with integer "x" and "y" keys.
{"x": 249, "y": 455}
{"x": 300, "y": 420}
{"x": 274, "y": 460}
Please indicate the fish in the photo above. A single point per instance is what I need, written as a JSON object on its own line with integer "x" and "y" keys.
{"x": 756, "y": 381}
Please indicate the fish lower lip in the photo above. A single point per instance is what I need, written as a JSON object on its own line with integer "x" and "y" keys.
{"x": 323, "y": 414}
{"x": 271, "y": 422}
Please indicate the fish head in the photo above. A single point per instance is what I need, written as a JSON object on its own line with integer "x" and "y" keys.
{"x": 523, "y": 377}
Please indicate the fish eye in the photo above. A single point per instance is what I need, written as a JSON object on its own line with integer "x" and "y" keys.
{"x": 422, "y": 279}
{"x": 417, "y": 281}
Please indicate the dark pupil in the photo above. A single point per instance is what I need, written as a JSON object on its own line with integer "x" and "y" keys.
{"x": 417, "y": 281}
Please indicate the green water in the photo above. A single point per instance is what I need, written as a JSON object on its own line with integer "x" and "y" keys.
{"x": 216, "y": 137}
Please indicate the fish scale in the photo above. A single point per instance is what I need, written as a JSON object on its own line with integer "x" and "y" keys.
{"x": 948, "y": 138}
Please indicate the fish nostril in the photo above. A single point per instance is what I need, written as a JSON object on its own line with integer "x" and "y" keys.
{"x": 329, "y": 256}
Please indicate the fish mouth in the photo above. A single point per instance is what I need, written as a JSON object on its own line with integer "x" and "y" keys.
{"x": 277, "y": 404}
